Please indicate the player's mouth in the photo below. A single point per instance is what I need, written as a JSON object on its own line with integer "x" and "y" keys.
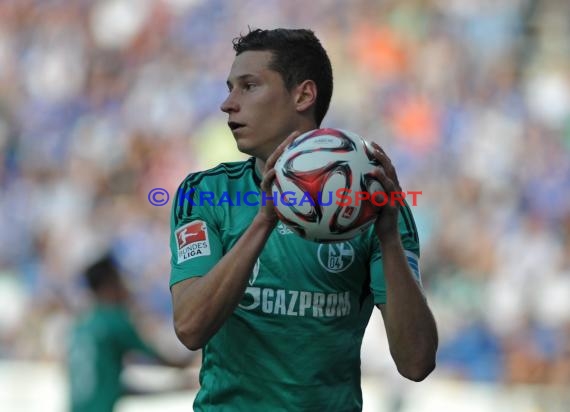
{"x": 235, "y": 126}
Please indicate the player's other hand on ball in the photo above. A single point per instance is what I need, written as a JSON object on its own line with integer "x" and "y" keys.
{"x": 267, "y": 209}
{"x": 387, "y": 221}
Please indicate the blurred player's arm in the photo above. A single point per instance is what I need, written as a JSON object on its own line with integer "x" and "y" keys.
{"x": 202, "y": 304}
{"x": 129, "y": 338}
{"x": 410, "y": 325}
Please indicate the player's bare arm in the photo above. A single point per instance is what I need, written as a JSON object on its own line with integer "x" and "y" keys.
{"x": 202, "y": 304}
{"x": 410, "y": 325}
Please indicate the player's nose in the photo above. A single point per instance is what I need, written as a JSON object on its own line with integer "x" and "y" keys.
{"x": 230, "y": 104}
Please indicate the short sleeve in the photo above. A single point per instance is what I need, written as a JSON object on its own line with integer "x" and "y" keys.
{"x": 195, "y": 243}
{"x": 410, "y": 241}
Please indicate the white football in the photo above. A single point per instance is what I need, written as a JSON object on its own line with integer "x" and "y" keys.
{"x": 321, "y": 184}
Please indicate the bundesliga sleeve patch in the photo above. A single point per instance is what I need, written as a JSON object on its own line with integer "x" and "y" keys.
{"x": 192, "y": 241}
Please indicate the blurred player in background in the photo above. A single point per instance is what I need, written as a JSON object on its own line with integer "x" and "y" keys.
{"x": 99, "y": 341}
{"x": 280, "y": 328}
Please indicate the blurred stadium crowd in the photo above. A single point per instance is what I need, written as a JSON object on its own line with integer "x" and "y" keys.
{"x": 103, "y": 100}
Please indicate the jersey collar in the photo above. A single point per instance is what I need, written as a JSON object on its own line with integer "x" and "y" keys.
{"x": 256, "y": 173}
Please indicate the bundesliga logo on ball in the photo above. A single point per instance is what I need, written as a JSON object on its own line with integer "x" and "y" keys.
{"x": 313, "y": 170}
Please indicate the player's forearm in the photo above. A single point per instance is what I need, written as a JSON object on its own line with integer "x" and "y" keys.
{"x": 410, "y": 326}
{"x": 205, "y": 304}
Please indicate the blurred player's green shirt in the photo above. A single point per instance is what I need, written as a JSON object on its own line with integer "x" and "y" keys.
{"x": 293, "y": 343}
{"x": 96, "y": 347}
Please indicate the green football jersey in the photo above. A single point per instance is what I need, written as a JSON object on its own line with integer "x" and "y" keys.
{"x": 293, "y": 343}
{"x": 96, "y": 346}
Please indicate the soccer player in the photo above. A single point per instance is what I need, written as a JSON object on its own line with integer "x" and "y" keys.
{"x": 99, "y": 341}
{"x": 280, "y": 319}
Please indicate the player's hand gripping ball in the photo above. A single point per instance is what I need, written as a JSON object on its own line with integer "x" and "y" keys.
{"x": 323, "y": 185}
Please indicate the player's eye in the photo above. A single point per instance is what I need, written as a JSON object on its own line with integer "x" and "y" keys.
{"x": 249, "y": 86}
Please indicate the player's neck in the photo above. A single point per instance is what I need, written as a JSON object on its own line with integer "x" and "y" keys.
{"x": 259, "y": 166}
{"x": 304, "y": 126}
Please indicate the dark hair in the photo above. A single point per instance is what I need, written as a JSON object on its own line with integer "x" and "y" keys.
{"x": 101, "y": 273}
{"x": 298, "y": 56}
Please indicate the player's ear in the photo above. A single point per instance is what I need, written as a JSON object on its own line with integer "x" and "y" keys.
{"x": 305, "y": 95}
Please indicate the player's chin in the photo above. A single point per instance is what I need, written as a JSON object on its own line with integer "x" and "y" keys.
{"x": 245, "y": 146}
